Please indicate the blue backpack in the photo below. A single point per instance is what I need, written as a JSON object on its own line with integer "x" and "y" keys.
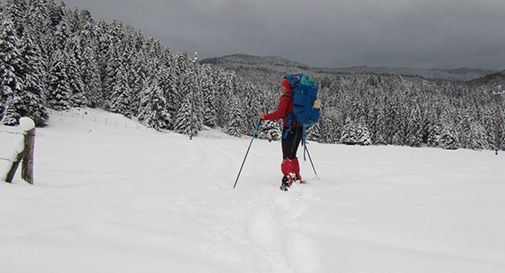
{"x": 304, "y": 94}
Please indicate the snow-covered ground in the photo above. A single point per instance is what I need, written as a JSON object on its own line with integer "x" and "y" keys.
{"x": 113, "y": 196}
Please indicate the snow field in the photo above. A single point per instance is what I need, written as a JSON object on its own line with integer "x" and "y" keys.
{"x": 114, "y": 198}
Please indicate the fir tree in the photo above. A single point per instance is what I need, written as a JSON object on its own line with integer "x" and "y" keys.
{"x": 183, "y": 120}
{"x": 382, "y": 136}
{"x": 414, "y": 135}
{"x": 137, "y": 77}
{"x": 477, "y": 136}
{"x": 270, "y": 130}
{"x": 59, "y": 89}
{"x": 235, "y": 119}
{"x": 210, "y": 112}
{"x": 355, "y": 133}
{"x": 17, "y": 13}
{"x": 224, "y": 92}
{"x": 11, "y": 81}
{"x": 166, "y": 85}
{"x": 314, "y": 133}
{"x": 192, "y": 88}
{"x": 41, "y": 29}
{"x": 326, "y": 131}
{"x": 74, "y": 73}
{"x": 112, "y": 66}
{"x": 90, "y": 75}
{"x": 448, "y": 140}
{"x": 34, "y": 81}
{"x": 62, "y": 34}
{"x": 56, "y": 12}
{"x": 120, "y": 99}
{"x": 154, "y": 111}
{"x": 11, "y": 114}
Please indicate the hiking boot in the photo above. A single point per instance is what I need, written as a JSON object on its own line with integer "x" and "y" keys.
{"x": 285, "y": 183}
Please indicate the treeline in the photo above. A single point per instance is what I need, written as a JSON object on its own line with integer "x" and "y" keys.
{"x": 53, "y": 57}
{"x": 409, "y": 112}
{"x": 390, "y": 109}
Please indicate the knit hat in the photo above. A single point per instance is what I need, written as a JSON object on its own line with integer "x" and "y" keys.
{"x": 286, "y": 84}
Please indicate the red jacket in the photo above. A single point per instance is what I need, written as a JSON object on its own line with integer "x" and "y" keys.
{"x": 284, "y": 108}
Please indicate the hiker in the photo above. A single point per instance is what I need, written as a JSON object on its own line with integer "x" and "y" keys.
{"x": 291, "y": 135}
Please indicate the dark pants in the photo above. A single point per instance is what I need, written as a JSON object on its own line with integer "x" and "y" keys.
{"x": 291, "y": 142}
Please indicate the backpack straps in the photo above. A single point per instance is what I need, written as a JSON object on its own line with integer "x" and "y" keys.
{"x": 294, "y": 80}
{"x": 290, "y": 121}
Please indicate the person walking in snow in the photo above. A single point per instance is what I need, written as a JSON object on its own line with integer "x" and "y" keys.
{"x": 291, "y": 135}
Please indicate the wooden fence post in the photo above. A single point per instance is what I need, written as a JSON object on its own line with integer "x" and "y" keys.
{"x": 14, "y": 167}
{"x": 27, "y": 167}
{"x": 26, "y": 155}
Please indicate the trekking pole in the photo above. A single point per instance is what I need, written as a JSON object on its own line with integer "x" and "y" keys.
{"x": 312, "y": 163}
{"x": 254, "y": 135}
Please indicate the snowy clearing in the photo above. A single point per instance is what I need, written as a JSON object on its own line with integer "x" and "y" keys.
{"x": 113, "y": 196}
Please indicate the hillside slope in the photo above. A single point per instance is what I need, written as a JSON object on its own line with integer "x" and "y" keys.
{"x": 113, "y": 196}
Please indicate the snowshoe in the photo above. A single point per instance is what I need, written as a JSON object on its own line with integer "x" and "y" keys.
{"x": 292, "y": 178}
{"x": 285, "y": 183}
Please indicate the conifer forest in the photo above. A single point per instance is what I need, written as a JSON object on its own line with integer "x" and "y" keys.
{"x": 52, "y": 57}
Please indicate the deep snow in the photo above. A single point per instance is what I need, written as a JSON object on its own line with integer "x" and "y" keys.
{"x": 113, "y": 196}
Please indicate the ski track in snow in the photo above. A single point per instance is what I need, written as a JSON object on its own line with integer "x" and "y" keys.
{"x": 140, "y": 201}
{"x": 273, "y": 231}
{"x": 264, "y": 231}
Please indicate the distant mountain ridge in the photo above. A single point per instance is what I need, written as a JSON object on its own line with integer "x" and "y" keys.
{"x": 279, "y": 64}
{"x": 251, "y": 61}
{"x": 492, "y": 82}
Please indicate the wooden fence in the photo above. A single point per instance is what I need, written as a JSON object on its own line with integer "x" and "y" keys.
{"x": 24, "y": 153}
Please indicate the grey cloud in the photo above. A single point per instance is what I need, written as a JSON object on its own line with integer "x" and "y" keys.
{"x": 400, "y": 33}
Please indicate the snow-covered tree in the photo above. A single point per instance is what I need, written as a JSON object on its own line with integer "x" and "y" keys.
{"x": 62, "y": 34}
{"x": 448, "y": 140}
{"x": 154, "y": 111}
{"x": 11, "y": 113}
{"x": 235, "y": 119}
{"x": 90, "y": 76}
{"x": 113, "y": 64}
{"x": 73, "y": 61}
{"x": 183, "y": 123}
{"x": 477, "y": 136}
{"x": 58, "y": 85}
{"x": 414, "y": 130}
{"x": 209, "y": 93}
{"x": 223, "y": 94}
{"x": 355, "y": 133}
{"x": 314, "y": 133}
{"x": 270, "y": 130}
{"x": 192, "y": 80}
{"x": 17, "y": 10}
{"x": 121, "y": 97}
{"x": 167, "y": 87}
{"x": 11, "y": 81}
{"x": 34, "y": 76}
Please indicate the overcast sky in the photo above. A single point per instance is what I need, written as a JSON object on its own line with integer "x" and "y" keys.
{"x": 332, "y": 33}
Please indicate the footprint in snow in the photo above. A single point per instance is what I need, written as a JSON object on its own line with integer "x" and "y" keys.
{"x": 301, "y": 253}
{"x": 261, "y": 227}
{"x": 282, "y": 200}
{"x": 290, "y": 207}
